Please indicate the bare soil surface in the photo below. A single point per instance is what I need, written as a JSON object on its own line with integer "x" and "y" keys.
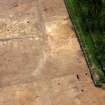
{"x": 41, "y": 62}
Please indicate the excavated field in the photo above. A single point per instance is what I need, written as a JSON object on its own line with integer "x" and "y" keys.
{"x": 41, "y": 62}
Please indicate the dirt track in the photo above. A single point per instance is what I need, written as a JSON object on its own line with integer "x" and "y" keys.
{"x": 41, "y": 62}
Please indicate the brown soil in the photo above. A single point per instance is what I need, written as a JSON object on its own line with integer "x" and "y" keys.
{"x": 41, "y": 62}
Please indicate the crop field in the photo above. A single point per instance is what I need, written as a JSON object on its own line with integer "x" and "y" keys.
{"x": 89, "y": 23}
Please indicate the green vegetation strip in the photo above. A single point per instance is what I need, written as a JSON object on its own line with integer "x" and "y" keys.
{"x": 86, "y": 41}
